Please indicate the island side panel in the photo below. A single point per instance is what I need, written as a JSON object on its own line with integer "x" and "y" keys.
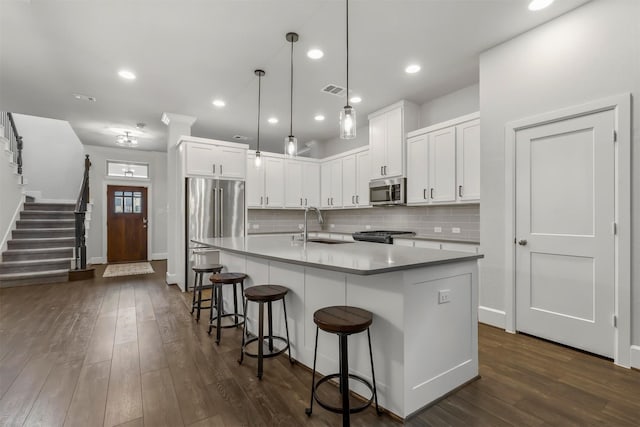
{"x": 292, "y": 277}
{"x": 442, "y": 351}
{"x": 382, "y": 294}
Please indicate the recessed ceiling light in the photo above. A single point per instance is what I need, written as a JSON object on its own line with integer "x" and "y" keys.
{"x": 219, "y": 103}
{"x": 315, "y": 53}
{"x": 273, "y": 120}
{"x": 539, "y": 4}
{"x": 319, "y": 118}
{"x": 356, "y": 99}
{"x": 127, "y": 75}
{"x": 412, "y": 69}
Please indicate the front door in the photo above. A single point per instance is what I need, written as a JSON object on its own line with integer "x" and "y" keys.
{"x": 126, "y": 224}
{"x": 565, "y": 212}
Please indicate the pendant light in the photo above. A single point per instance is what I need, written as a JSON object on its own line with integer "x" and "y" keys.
{"x": 291, "y": 142}
{"x": 348, "y": 113}
{"x": 260, "y": 74}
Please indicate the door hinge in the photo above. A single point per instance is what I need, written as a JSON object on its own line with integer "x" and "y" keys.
{"x": 614, "y": 228}
{"x": 615, "y": 321}
{"x": 615, "y": 135}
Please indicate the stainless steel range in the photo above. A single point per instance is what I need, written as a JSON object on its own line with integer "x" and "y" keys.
{"x": 380, "y": 236}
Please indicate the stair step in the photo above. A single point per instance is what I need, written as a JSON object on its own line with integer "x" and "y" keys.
{"x": 32, "y": 206}
{"x": 34, "y": 265}
{"x": 56, "y": 242}
{"x": 46, "y": 215}
{"x": 34, "y": 278}
{"x": 33, "y": 254}
{"x": 42, "y": 232}
{"x": 45, "y": 223}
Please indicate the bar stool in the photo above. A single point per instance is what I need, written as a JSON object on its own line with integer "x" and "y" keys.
{"x": 265, "y": 294}
{"x": 343, "y": 321}
{"x": 218, "y": 280}
{"x": 198, "y": 287}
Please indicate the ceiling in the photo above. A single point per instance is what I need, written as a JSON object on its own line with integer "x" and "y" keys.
{"x": 186, "y": 53}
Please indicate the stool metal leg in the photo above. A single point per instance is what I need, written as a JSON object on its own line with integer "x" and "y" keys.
{"x": 286, "y": 327}
{"x": 344, "y": 379}
{"x": 235, "y": 303}
{"x": 373, "y": 374}
{"x": 214, "y": 301}
{"x": 260, "y": 337}
{"x": 244, "y": 331}
{"x": 195, "y": 285}
{"x": 219, "y": 317}
{"x": 270, "y": 318}
{"x": 199, "y": 297}
{"x": 309, "y": 410}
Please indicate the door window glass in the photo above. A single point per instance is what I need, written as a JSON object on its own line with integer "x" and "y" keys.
{"x": 127, "y": 201}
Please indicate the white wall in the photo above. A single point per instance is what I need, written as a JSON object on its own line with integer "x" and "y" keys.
{"x": 336, "y": 145}
{"x": 450, "y": 106}
{"x": 158, "y": 208}
{"x": 590, "y": 53}
{"x": 51, "y": 150}
{"x": 11, "y": 197}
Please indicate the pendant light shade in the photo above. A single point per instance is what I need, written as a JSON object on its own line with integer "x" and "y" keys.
{"x": 291, "y": 142}
{"x": 258, "y": 159}
{"x": 348, "y": 113}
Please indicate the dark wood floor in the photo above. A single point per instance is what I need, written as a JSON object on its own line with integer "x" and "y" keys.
{"x": 125, "y": 351}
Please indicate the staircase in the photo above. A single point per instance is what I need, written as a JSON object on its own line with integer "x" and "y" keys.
{"x": 41, "y": 248}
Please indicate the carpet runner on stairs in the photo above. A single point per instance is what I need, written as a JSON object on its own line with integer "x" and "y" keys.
{"x": 41, "y": 246}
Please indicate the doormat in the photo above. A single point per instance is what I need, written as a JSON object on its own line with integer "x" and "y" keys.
{"x": 115, "y": 270}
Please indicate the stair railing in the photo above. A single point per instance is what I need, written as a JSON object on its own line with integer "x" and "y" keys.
{"x": 15, "y": 140}
{"x": 80, "y": 215}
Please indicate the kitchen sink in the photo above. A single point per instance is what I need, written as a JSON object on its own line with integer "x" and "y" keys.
{"x": 328, "y": 241}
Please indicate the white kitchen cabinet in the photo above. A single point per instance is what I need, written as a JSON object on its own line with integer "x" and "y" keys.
{"x": 356, "y": 171}
{"x": 265, "y": 184}
{"x": 363, "y": 174}
{"x": 387, "y": 129}
{"x": 417, "y": 171}
{"x": 215, "y": 160}
{"x": 442, "y": 165}
{"x": 302, "y": 183}
{"x": 468, "y": 160}
{"x": 331, "y": 184}
{"x": 349, "y": 181}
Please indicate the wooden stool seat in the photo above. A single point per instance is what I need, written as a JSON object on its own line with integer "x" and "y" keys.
{"x": 207, "y": 268}
{"x": 265, "y": 293}
{"x": 228, "y": 278}
{"x": 343, "y": 319}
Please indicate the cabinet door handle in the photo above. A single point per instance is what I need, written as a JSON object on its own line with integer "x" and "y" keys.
{"x": 353, "y": 200}
{"x": 305, "y": 201}
{"x": 385, "y": 170}
{"x": 220, "y": 169}
{"x": 424, "y": 193}
{"x": 266, "y": 200}
{"x": 214, "y": 168}
{"x": 357, "y": 198}
{"x": 459, "y": 190}
{"x": 381, "y": 170}
{"x": 328, "y": 201}
{"x": 332, "y": 201}
{"x": 261, "y": 200}
{"x": 431, "y": 193}
{"x": 300, "y": 201}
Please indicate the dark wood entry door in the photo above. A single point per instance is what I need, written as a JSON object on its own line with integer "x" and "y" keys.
{"x": 126, "y": 223}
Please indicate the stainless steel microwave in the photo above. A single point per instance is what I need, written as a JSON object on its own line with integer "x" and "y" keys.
{"x": 388, "y": 192}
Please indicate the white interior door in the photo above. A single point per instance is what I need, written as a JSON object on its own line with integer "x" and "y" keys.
{"x": 565, "y": 277}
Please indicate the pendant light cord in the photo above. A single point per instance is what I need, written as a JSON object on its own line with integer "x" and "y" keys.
{"x": 348, "y": 54}
{"x": 259, "y": 92}
{"x": 291, "y": 103}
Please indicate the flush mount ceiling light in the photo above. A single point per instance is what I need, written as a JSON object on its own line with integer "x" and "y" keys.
{"x": 315, "y": 53}
{"x": 81, "y": 97}
{"x": 412, "y": 69}
{"x": 126, "y": 140}
{"x": 348, "y": 113}
{"x": 356, "y": 99}
{"x": 535, "y": 5}
{"x": 272, "y": 120}
{"x": 319, "y": 118}
{"x": 219, "y": 103}
{"x": 127, "y": 75}
{"x": 291, "y": 142}
{"x": 260, "y": 74}
{"x": 131, "y": 132}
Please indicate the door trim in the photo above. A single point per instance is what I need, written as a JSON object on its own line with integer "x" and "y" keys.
{"x": 131, "y": 183}
{"x": 621, "y": 105}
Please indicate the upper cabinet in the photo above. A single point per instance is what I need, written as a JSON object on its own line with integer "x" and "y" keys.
{"x": 216, "y": 159}
{"x": 302, "y": 183}
{"x": 356, "y": 171}
{"x": 387, "y": 129}
{"x": 265, "y": 183}
{"x": 443, "y": 163}
{"x": 331, "y": 184}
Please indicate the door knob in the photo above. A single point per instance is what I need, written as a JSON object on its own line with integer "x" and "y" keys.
{"x": 522, "y": 242}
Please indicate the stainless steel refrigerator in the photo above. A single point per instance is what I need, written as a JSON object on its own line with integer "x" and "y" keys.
{"x": 214, "y": 208}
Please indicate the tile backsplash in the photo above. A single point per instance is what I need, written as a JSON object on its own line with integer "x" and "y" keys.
{"x": 457, "y": 222}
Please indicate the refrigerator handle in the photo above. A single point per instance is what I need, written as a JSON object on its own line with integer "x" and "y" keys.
{"x": 221, "y": 211}
{"x": 216, "y": 212}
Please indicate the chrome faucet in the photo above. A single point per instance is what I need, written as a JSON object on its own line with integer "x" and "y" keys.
{"x": 305, "y": 232}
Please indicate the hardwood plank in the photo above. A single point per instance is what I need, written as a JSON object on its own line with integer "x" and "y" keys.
{"x": 127, "y": 296}
{"x": 89, "y": 398}
{"x": 19, "y": 398}
{"x": 144, "y": 307}
{"x": 126, "y": 329}
{"x": 124, "y": 398}
{"x": 100, "y": 346}
{"x": 135, "y": 423}
{"x": 209, "y": 422}
{"x": 51, "y": 406}
{"x": 152, "y": 355}
{"x": 159, "y": 399}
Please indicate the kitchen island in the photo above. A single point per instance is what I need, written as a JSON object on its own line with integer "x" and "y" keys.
{"x": 424, "y": 302}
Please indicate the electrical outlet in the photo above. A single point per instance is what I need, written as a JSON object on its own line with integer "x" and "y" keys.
{"x": 444, "y": 296}
{"x": 367, "y": 227}
{"x": 437, "y": 229}
{"x": 455, "y": 230}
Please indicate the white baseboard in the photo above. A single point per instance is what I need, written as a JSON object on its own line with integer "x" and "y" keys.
{"x": 492, "y": 317}
{"x": 159, "y": 255}
{"x": 635, "y": 356}
{"x": 171, "y": 279}
{"x": 12, "y": 225}
{"x": 97, "y": 260}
